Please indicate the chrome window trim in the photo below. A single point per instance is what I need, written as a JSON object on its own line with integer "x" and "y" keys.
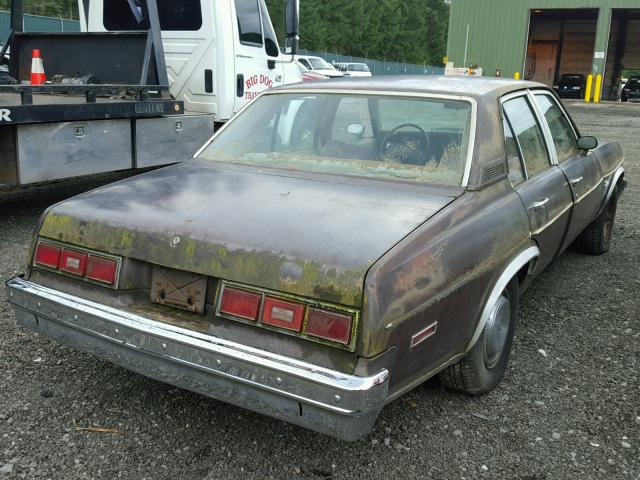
{"x": 520, "y": 154}
{"x": 512, "y": 95}
{"x": 535, "y": 111}
{"x": 560, "y": 106}
{"x": 385, "y": 93}
{"x": 546, "y": 131}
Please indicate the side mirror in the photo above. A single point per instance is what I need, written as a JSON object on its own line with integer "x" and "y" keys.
{"x": 587, "y": 143}
{"x": 291, "y": 25}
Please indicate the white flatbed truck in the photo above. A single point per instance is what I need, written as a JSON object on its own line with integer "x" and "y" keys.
{"x": 145, "y": 83}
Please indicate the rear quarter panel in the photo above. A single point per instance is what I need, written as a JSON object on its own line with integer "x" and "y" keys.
{"x": 444, "y": 271}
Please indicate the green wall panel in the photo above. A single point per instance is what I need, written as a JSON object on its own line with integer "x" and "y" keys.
{"x": 498, "y": 30}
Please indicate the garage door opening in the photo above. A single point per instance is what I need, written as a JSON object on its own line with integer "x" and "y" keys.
{"x": 560, "y": 42}
{"x": 623, "y": 54}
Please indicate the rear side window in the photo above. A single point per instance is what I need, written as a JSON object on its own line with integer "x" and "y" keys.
{"x": 561, "y": 131}
{"x": 516, "y": 173}
{"x": 175, "y": 15}
{"x": 528, "y": 133}
{"x": 249, "y": 24}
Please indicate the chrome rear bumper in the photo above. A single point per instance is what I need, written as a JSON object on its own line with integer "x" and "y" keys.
{"x": 324, "y": 400}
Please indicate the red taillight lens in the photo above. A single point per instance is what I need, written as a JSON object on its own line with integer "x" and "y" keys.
{"x": 102, "y": 270}
{"x": 47, "y": 255}
{"x": 282, "y": 314}
{"x": 329, "y": 325}
{"x": 240, "y": 303}
{"x": 73, "y": 262}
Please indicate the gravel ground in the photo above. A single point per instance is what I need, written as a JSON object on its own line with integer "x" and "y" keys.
{"x": 569, "y": 406}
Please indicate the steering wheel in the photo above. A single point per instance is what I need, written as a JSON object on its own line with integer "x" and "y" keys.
{"x": 406, "y": 148}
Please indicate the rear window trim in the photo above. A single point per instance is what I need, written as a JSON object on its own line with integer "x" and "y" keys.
{"x": 387, "y": 93}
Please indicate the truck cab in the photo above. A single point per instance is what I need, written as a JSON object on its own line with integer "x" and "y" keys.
{"x": 219, "y": 54}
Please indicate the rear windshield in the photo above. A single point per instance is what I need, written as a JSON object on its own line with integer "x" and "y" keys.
{"x": 358, "y": 67}
{"x": 571, "y": 80}
{"x": 176, "y": 15}
{"x": 390, "y": 137}
{"x": 320, "y": 64}
{"x": 302, "y": 68}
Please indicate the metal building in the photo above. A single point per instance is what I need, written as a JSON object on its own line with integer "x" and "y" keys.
{"x": 543, "y": 39}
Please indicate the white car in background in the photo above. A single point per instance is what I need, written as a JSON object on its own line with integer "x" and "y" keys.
{"x": 354, "y": 69}
{"x": 319, "y": 65}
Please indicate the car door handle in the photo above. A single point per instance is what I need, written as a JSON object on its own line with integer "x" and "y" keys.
{"x": 575, "y": 181}
{"x": 539, "y": 205}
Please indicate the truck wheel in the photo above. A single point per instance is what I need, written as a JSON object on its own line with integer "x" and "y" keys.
{"x": 596, "y": 238}
{"x": 481, "y": 369}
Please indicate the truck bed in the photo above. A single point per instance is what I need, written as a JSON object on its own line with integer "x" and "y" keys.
{"x": 23, "y": 104}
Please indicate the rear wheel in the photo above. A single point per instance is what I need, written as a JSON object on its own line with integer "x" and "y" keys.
{"x": 481, "y": 369}
{"x": 596, "y": 238}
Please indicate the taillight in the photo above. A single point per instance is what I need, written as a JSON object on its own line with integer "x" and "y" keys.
{"x": 47, "y": 255}
{"x": 78, "y": 262}
{"x": 329, "y": 325}
{"x": 240, "y": 303}
{"x": 282, "y": 314}
{"x": 102, "y": 270}
{"x": 323, "y": 323}
{"x": 73, "y": 262}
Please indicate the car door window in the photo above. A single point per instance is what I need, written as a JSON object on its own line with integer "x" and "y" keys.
{"x": 249, "y": 24}
{"x": 270, "y": 40}
{"x": 528, "y": 134}
{"x": 304, "y": 62}
{"x": 516, "y": 172}
{"x": 563, "y": 137}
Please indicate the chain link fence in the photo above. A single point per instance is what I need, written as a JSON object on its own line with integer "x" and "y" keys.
{"x": 35, "y": 23}
{"x": 378, "y": 67}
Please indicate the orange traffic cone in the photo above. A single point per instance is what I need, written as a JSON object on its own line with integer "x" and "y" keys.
{"x": 37, "y": 68}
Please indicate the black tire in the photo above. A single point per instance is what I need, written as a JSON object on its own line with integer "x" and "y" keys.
{"x": 596, "y": 238}
{"x": 476, "y": 374}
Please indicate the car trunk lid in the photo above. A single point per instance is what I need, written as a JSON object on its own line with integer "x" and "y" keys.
{"x": 310, "y": 235}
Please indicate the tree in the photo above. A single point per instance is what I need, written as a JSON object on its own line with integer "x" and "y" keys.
{"x": 412, "y": 31}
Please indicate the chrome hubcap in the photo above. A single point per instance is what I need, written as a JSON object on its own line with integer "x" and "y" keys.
{"x": 496, "y": 331}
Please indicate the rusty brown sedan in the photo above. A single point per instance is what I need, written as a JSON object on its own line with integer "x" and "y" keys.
{"x": 331, "y": 248}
